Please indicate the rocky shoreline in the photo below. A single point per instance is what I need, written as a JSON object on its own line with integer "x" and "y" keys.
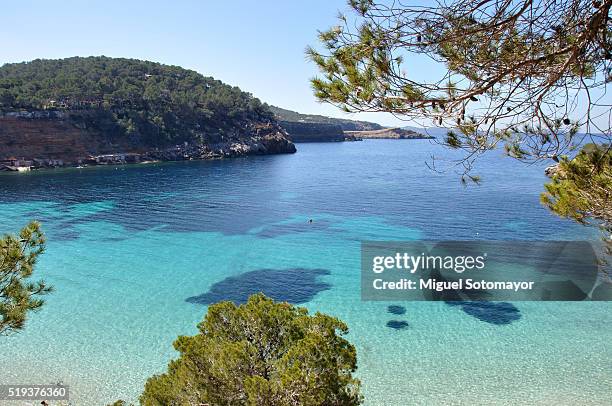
{"x": 266, "y": 146}
{"x": 35, "y": 142}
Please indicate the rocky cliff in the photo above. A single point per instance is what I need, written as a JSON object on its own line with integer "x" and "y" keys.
{"x": 345, "y": 124}
{"x": 53, "y": 138}
{"x": 313, "y": 132}
{"x": 64, "y": 138}
{"x": 79, "y": 109}
{"x": 389, "y": 133}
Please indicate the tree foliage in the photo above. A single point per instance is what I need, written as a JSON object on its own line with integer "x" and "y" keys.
{"x": 157, "y": 103}
{"x": 260, "y": 353}
{"x": 581, "y": 189}
{"x": 525, "y": 74}
{"x": 18, "y": 295}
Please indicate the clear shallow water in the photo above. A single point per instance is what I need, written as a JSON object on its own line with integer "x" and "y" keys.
{"x": 129, "y": 245}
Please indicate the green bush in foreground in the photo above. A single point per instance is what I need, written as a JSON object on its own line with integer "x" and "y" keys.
{"x": 18, "y": 296}
{"x": 260, "y": 353}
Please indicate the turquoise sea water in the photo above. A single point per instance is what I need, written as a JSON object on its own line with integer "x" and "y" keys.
{"x": 127, "y": 246}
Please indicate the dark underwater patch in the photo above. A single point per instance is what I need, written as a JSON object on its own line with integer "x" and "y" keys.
{"x": 394, "y": 309}
{"x": 297, "y": 285}
{"x": 280, "y": 229}
{"x": 498, "y": 313}
{"x": 65, "y": 235}
{"x": 114, "y": 239}
{"x": 397, "y": 324}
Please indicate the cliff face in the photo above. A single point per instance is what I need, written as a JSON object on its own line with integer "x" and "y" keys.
{"x": 389, "y": 133}
{"x": 52, "y": 138}
{"x": 263, "y": 139}
{"x": 323, "y": 132}
{"x": 346, "y": 124}
{"x": 56, "y": 136}
{"x": 313, "y": 132}
{"x": 99, "y": 110}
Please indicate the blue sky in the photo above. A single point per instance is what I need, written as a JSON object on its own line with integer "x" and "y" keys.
{"x": 258, "y": 46}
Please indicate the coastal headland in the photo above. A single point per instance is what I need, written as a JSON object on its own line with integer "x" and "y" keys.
{"x": 395, "y": 133}
{"x": 101, "y": 110}
{"x": 317, "y": 128}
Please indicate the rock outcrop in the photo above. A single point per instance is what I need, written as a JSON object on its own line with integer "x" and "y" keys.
{"x": 317, "y": 128}
{"x": 42, "y": 139}
{"x": 389, "y": 133}
{"x": 313, "y": 132}
{"x": 112, "y": 110}
{"x": 344, "y": 123}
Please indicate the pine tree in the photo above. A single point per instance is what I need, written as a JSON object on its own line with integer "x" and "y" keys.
{"x": 18, "y": 295}
{"x": 260, "y": 353}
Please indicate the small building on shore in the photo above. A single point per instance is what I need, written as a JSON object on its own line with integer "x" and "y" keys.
{"x": 11, "y": 161}
{"x": 121, "y": 158}
{"x": 13, "y": 164}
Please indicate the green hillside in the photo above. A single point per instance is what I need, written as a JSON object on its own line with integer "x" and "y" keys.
{"x": 145, "y": 101}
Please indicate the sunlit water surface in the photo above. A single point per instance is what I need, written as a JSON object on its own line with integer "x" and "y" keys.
{"x": 128, "y": 246}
